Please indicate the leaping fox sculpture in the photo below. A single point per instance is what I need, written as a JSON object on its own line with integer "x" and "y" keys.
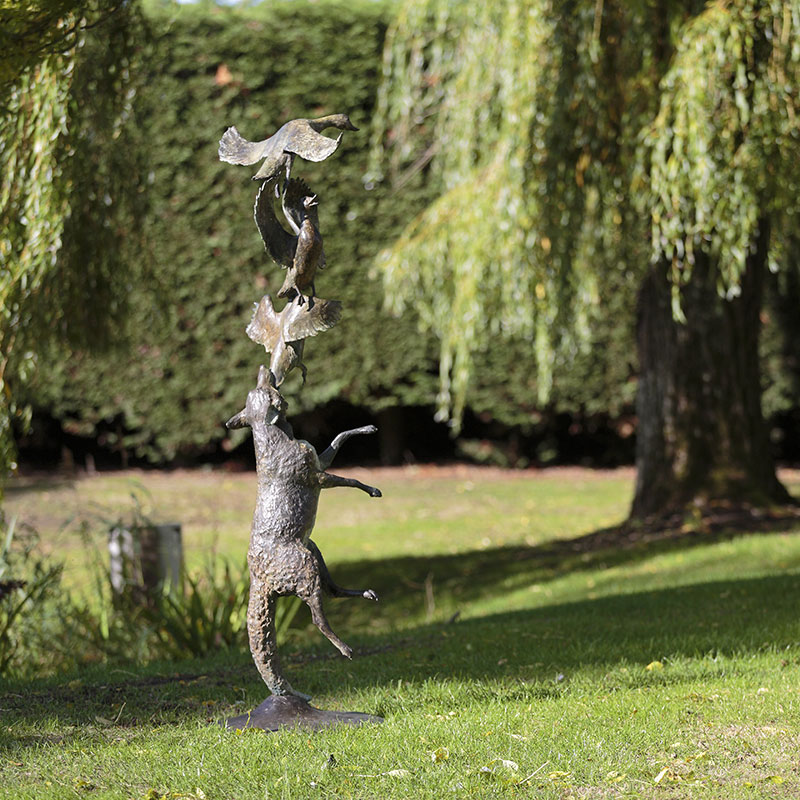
{"x": 282, "y": 558}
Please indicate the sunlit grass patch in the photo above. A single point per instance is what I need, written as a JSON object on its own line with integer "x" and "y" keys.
{"x": 512, "y": 669}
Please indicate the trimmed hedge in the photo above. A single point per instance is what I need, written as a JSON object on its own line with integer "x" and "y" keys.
{"x": 187, "y": 365}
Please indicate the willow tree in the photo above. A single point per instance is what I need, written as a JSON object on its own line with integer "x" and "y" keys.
{"x": 573, "y": 143}
{"x": 71, "y": 189}
{"x": 33, "y": 30}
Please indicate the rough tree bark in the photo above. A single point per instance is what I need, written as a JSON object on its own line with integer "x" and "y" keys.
{"x": 702, "y": 436}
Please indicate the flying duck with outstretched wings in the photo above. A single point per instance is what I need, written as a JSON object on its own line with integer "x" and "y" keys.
{"x": 284, "y": 333}
{"x": 299, "y": 137}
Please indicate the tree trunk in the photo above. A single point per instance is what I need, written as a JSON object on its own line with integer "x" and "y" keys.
{"x": 702, "y": 437}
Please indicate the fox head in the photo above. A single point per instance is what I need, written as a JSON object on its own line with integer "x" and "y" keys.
{"x": 264, "y": 404}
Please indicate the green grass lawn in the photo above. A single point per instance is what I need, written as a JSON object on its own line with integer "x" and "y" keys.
{"x": 576, "y": 667}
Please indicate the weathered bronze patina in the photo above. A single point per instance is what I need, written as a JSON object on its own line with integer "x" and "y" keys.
{"x": 283, "y": 334}
{"x": 300, "y": 252}
{"x": 288, "y": 711}
{"x": 300, "y": 137}
{"x": 282, "y": 557}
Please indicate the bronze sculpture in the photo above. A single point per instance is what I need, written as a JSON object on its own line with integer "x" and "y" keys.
{"x": 308, "y": 254}
{"x": 282, "y": 557}
{"x": 283, "y": 334}
{"x": 299, "y": 137}
{"x": 301, "y": 251}
{"x": 283, "y": 560}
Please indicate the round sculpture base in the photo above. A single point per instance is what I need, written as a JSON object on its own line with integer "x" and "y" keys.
{"x": 293, "y": 712}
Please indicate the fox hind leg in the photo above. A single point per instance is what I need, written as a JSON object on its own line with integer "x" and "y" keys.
{"x": 329, "y": 585}
{"x": 314, "y": 602}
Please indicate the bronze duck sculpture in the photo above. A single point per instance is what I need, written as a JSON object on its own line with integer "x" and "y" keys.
{"x": 308, "y": 254}
{"x": 283, "y": 333}
{"x": 299, "y": 137}
{"x": 302, "y": 253}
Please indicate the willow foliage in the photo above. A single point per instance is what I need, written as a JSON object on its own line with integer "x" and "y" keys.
{"x": 724, "y": 151}
{"x": 33, "y": 30}
{"x": 526, "y": 110}
{"x": 68, "y": 179}
{"x": 33, "y": 207}
{"x": 541, "y": 121}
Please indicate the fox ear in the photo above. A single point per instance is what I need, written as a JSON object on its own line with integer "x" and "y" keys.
{"x": 237, "y": 420}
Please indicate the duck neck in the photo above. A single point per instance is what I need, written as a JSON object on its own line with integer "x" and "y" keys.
{"x": 329, "y": 121}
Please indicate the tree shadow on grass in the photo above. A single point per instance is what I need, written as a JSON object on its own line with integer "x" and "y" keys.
{"x": 530, "y": 655}
{"x": 405, "y": 583}
{"x": 519, "y": 654}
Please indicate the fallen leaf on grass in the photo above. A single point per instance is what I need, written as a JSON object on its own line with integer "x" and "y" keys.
{"x": 660, "y": 777}
{"x": 502, "y": 770}
{"x": 392, "y": 773}
{"x": 440, "y": 754}
{"x": 197, "y": 794}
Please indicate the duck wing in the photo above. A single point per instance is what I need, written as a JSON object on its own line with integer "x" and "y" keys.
{"x": 278, "y": 242}
{"x": 265, "y": 325}
{"x": 304, "y": 141}
{"x": 235, "y": 149}
{"x": 301, "y": 322}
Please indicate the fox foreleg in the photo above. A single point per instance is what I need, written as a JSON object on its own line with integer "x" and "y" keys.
{"x": 326, "y": 459}
{"x": 329, "y": 481}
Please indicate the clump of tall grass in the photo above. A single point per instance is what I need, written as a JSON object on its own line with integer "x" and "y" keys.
{"x": 28, "y": 591}
{"x": 46, "y": 628}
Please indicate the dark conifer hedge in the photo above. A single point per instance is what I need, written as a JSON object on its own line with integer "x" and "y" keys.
{"x": 185, "y": 364}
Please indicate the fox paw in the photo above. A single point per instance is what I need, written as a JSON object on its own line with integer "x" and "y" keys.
{"x": 346, "y": 650}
